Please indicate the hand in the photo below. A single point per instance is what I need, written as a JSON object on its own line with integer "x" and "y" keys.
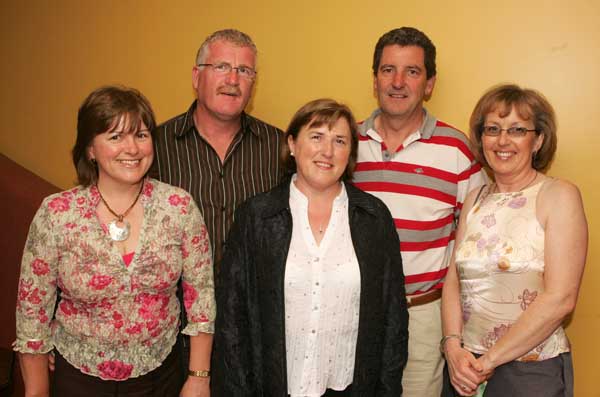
{"x": 196, "y": 386}
{"x": 466, "y": 372}
{"x": 51, "y": 361}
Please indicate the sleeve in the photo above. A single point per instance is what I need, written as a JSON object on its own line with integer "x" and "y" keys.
{"x": 197, "y": 276}
{"x": 36, "y": 294}
{"x": 395, "y": 350}
{"x": 470, "y": 177}
{"x": 233, "y": 344}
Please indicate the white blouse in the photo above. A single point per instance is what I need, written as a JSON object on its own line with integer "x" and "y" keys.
{"x": 322, "y": 300}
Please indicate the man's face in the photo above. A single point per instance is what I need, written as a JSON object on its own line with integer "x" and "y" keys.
{"x": 401, "y": 82}
{"x": 224, "y": 95}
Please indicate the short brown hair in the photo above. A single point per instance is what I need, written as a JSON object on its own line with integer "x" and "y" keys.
{"x": 404, "y": 37}
{"x": 316, "y": 113}
{"x": 529, "y": 104}
{"x": 100, "y": 112}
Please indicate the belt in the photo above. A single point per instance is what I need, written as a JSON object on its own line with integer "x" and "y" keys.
{"x": 428, "y": 297}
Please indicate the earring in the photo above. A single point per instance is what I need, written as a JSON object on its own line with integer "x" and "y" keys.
{"x": 292, "y": 154}
{"x": 93, "y": 160}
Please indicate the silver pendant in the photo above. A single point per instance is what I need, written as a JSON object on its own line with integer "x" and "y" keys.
{"x": 118, "y": 233}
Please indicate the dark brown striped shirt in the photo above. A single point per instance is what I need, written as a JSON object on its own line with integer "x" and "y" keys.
{"x": 252, "y": 165}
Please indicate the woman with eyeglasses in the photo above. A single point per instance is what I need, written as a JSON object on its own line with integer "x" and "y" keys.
{"x": 310, "y": 296}
{"x": 115, "y": 246}
{"x": 519, "y": 257}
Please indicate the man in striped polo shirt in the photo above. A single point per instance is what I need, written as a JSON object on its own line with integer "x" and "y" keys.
{"x": 422, "y": 169}
{"x": 217, "y": 152}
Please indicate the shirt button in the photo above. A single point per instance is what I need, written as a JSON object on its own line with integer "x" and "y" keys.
{"x": 223, "y": 208}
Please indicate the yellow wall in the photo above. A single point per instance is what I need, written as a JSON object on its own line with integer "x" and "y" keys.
{"x": 55, "y": 52}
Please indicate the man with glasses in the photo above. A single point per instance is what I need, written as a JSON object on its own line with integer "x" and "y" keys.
{"x": 422, "y": 169}
{"x": 217, "y": 152}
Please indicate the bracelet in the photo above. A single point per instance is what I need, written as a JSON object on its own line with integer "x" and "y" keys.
{"x": 199, "y": 374}
{"x": 445, "y": 339}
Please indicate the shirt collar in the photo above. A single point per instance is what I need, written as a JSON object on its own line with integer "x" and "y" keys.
{"x": 248, "y": 123}
{"x": 367, "y": 127}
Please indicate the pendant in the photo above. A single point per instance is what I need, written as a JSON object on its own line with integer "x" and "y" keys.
{"x": 118, "y": 233}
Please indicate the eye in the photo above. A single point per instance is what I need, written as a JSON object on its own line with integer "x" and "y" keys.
{"x": 114, "y": 137}
{"x": 386, "y": 69}
{"x": 518, "y": 131}
{"x": 315, "y": 137}
{"x": 340, "y": 141}
{"x": 491, "y": 130}
{"x": 222, "y": 67}
{"x": 142, "y": 134}
{"x": 414, "y": 72}
{"x": 244, "y": 70}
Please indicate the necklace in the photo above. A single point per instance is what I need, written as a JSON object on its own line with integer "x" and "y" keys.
{"x": 519, "y": 190}
{"x": 117, "y": 232}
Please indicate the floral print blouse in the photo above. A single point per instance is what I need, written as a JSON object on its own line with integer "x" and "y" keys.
{"x": 113, "y": 321}
{"x": 500, "y": 263}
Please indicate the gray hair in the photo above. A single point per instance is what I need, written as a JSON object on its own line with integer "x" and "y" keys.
{"x": 233, "y": 36}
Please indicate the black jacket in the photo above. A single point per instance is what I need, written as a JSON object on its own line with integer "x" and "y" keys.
{"x": 249, "y": 357}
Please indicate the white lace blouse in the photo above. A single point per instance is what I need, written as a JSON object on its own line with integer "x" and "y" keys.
{"x": 322, "y": 298}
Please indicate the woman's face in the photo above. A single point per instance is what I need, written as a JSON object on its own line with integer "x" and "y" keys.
{"x": 123, "y": 155}
{"x": 510, "y": 156}
{"x": 321, "y": 155}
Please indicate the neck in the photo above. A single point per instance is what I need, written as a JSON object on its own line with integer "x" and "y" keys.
{"x": 324, "y": 196}
{"x": 397, "y": 128}
{"x": 213, "y": 128}
{"x": 516, "y": 183}
{"x": 118, "y": 195}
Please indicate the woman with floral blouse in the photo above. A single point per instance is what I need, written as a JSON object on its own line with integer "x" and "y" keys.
{"x": 115, "y": 247}
{"x": 518, "y": 259}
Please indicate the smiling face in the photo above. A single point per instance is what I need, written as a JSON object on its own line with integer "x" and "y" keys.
{"x": 321, "y": 155}
{"x": 401, "y": 82}
{"x": 510, "y": 157}
{"x": 223, "y": 96}
{"x": 123, "y": 154}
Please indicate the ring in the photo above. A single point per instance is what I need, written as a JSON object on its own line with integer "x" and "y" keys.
{"x": 464, "y": 387}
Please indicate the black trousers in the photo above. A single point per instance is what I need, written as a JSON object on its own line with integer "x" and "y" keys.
{"x": 164, "y": 381}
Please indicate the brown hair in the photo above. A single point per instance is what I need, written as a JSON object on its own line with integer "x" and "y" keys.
{"x": 529, "y": 104}
{"x": 316, "y": 113}
{"x": 404, "y": 37}
{"x": 100, "y": 112}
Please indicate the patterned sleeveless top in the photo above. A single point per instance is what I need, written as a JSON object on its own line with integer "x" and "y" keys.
{"x": 500, "y": 264}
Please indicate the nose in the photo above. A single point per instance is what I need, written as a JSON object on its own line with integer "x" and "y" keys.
{"x": 327, "y": 149}
{"x": 131, "y": 144}
{"x": 233, "y": 77}
{"x": 398, "y": 80}
{"x": 503, "y": 138}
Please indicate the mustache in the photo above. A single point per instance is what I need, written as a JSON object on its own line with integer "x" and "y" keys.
{"x": 230, "y": 90}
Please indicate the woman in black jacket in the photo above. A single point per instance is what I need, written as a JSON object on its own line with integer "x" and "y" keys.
{"x": 310, "y": 296}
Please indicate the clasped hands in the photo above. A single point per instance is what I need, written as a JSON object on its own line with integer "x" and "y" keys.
{"x": 466, "y": 371}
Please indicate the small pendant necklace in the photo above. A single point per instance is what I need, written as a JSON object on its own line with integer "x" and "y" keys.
{"x": 521, "y": 189}
{"x": 119, "y": 232}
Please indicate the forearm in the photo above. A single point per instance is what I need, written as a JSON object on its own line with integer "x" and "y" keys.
{"x": 34, "y": 369}
{"x": 534, "y": 326}
{"x": 200, "y": 350}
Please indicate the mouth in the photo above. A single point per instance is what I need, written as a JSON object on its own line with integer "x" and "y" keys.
{"x": 130, "y": 163}
{"x": 230, "y": 92}
{"x": 397, "y": 95}
{"x": 323, "y": 165}
{"x": 504, "y": 155}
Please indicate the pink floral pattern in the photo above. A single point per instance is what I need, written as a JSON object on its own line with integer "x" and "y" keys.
{"x": 102, "y": 303}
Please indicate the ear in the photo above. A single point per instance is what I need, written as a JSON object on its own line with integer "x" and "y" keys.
{"x": 429, "y": 87}
{"x": 539, "y": 140}
{"x": 291, "y": 143}
{"x": 195, "y": 77}
{"x": 90, "y": 153}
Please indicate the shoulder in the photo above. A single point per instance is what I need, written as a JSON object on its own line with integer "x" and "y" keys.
{"x": 555, "y": 190}
{"x": 268, "y": 203}
{"x": 174, "y": 125}
{"x": 62, "y": 201}
{"x": 443, "y": 129}
{"x": 361, "y": 199}
{"x": 262, "y": 128}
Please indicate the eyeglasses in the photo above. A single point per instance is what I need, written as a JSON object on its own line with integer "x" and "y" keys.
{"x": 225, "y": 68}
{"x": 513, "y": 132}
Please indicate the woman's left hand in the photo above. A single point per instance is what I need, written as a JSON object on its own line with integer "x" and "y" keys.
{"x": 196, "y": 387}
